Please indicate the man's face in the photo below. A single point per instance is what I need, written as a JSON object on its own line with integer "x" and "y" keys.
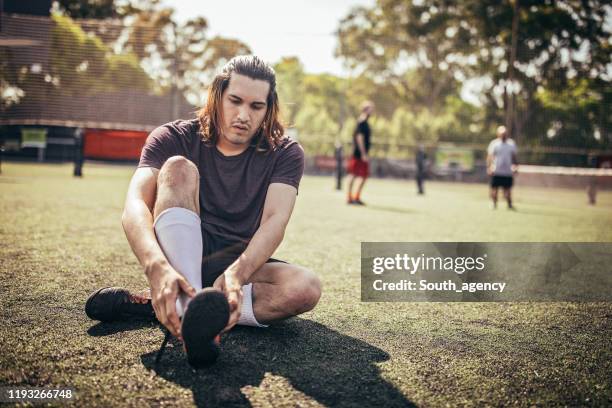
{"x": 244, "y": 108}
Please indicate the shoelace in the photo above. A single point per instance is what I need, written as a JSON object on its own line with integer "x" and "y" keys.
{"x": 161, "y": 350}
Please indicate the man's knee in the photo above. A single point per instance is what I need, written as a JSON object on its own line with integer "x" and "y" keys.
{"x": 304, "y": 291}
{"x": 178, "y": 185}
{"x": 179, "y": 171}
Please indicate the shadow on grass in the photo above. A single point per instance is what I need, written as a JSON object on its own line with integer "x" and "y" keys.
{"x": 532, "y": 211}
{"x": 8, "y": 180}
{"x": 390, "y": 209}
{"x": 329, "y": 367}
{"x": 106, "y": 329}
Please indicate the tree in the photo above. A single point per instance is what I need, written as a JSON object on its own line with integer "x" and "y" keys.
{"x": 385, "y": 96}
{"x": 290, "y": 87}
{"x": 178, "y": 57}
{"x": 405, "y": 45}
{"x": 78, "y": 64}
{"x": 428, "y": 48}
{"x": 325, "y": 92}
{"x": 556, "y": 41}
{"x": 317, "y": 129}
{"x": 92, "y": 9}
{"x": 82, "y": 63}
{"x": 577, "y": 115}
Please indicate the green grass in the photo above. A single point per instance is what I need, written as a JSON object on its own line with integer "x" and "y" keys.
{"x": 61, "y": 238}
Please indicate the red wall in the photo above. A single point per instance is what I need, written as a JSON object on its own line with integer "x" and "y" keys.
{"x": 113, "y": 144}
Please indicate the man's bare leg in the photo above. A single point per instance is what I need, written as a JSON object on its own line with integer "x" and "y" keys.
{"x": 360, "y": 187}
{"x": 176, "y": 221}
{"x": 178, "y": 185}
{"x": 494, "y": 196}
{"x": 177, "y": 226}
{"x": 283, "y": 290}
{"x": 350, "y": 188}
{"x": 508, "y": 197}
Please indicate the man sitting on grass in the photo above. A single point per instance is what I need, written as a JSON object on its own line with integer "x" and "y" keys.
{"x": 207, "y": 207}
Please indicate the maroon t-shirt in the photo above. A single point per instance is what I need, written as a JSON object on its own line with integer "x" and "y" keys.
{"x": 232, "y": 188}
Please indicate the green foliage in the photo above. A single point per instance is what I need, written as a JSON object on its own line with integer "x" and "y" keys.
{"x": 411, "y": 58}
{"x": 290, "y": 87}
{"x": 404, "y": 45}
{"x": 578, "y": 95}
{"x": 82, "y": 63}
{"x": 175, "y": 56}
{"x": 384, "y": 95}
{"x": 125, "y": 69}
{"x": 407, "y": 128}
{"x": 325, "y": 92}
{"x": 94, "y": 9}
{"x": 317, "y": 129}
{"x": 465, "y": 123}
{"x": 426, "y": 50}
{"x": 579, "y": 114}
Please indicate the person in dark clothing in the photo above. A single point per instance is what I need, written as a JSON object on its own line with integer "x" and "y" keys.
{"x": 207, "y": 207}
{"x": 421, "y": 161}
{"x": 358, "y": 165}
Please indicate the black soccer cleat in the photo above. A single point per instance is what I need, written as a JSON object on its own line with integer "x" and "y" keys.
{"x": 115, "y": 304}
{"x": 206, "y": 315}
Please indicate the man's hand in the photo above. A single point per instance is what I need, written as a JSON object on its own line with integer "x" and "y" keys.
{"x": 278, "y": 206}
{"x": 229, "y": 284}
{"x": 165, "y": 286}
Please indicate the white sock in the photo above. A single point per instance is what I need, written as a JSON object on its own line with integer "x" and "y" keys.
{"x": 180, "y": 237}
{"x": 247, "y": 317}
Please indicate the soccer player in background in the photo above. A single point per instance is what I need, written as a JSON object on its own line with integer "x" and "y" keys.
{"x": 358, "y": 165}
{"x": 502, "y": 165}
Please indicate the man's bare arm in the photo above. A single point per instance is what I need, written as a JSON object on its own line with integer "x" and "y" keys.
{"x": 489, "y": 164}
{"x": 280, "y": 200}
{"x": 137, "y": 219}
{"x": 361, "y": 146}
{"x": 278, "y": 207}
{"x": 137, "y": 223}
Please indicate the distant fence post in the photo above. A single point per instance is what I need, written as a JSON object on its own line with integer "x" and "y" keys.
{"x": 592, "y": 186}
{"x": 338, "y": 152}
{"x": 78, "y": 152}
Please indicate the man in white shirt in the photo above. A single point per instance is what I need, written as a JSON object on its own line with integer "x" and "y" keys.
{"x": 502, "y": 165}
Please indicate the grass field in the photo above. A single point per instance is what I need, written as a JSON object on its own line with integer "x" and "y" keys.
{"x": 61, "y": 238}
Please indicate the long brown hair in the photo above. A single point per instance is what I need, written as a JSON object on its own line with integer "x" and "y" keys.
{"x": 271, "y": 131}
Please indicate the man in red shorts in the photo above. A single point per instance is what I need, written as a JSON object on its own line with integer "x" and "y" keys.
{"x": 358, "y": 165}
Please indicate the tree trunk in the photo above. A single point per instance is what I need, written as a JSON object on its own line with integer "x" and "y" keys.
{"x": 511, "y": 97}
